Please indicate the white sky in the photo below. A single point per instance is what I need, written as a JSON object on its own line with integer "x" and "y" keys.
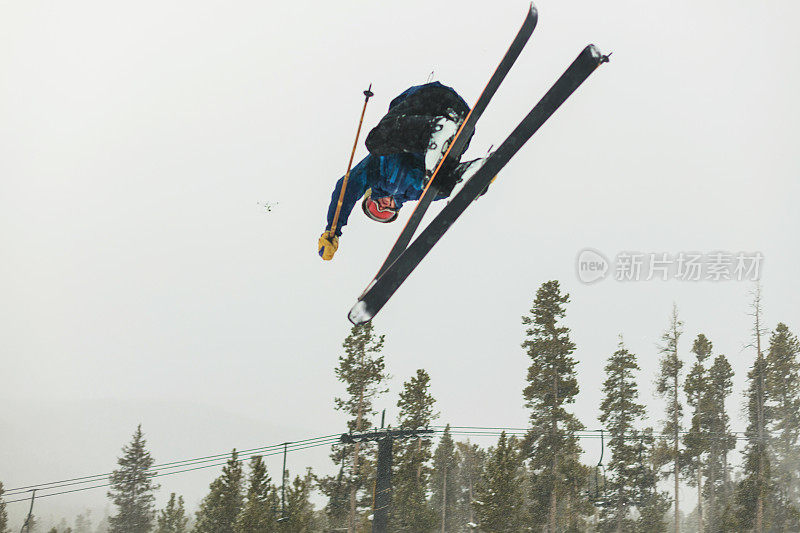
{"x": 142, "y": 280}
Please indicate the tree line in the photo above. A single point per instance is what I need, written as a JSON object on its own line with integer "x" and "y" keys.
{"x": 536, "y": 481}
{"x": 539, "y": 483}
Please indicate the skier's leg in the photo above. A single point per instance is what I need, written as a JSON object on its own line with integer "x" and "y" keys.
{"x": 450, "y": 112}
{"x": 444, "y": 131}
{"x": 397, "y": 133}
{"x": 409, "y": 125}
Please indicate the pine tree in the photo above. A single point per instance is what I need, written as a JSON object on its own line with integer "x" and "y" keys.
{"x": 83, "y": 524}
{"x": 721, "y": 441}
{"x": 619, "y": 413}
{"x": 132, "y": 488}
{"x": 260, "y": 511}
{"x": 337, "y": 489}
{"x": 173, "y": 519}
{"x": 651, "y": 504}
{"x": 299, "y": 511}
{"x": 753, "y": 492}
{"x": 221, "y": 506}
{"x": 782, "y": 383}
{"x": 362, "y": 370}
{"x": 410, "y": 509}
{"x": 552, "y": 384}
{"x": 444, "y": 482}
{"x": 697, "y": 440}
{"x": 3, "y": 512}
{"x": 668, "y": 387}
{"x": 471, "y": 461}
{"x": 30, "y": 525}
{"x": 499, "y": 491}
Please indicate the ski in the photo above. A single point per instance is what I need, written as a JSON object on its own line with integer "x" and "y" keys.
{"x": 379, "y": 292}
{"x": 462, "y": 136}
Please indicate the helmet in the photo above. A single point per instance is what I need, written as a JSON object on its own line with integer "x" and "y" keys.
{"x": 380, "y": 209}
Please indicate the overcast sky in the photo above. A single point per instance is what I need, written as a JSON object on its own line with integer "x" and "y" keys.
{"x": 143, "y": 280}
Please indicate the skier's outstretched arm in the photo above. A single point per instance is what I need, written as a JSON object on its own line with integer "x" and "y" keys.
{"x": 357, "y": 185}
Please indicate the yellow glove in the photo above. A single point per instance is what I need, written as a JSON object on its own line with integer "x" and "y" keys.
{"x": 327, "y": 246}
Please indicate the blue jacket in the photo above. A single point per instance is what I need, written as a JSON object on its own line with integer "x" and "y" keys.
{"x": 398, "y": 175}
{"x": 401, "y": 176}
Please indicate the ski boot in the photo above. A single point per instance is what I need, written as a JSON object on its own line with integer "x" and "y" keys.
{"x": 444, "y": 131}
{"x": 462, "y": 173}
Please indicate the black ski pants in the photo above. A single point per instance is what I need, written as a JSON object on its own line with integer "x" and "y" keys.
{"x": 408, "y": 126}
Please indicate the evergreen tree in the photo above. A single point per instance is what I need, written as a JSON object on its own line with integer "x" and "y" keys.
{"x": 260, "y": 512}
{"x": 83, "y": 524}
{"x": 751, "y": 502}
{"x": 782, "y": 383}
{"x": 132, "y": 488}
{"x": 717, "y": 490}
{"x": 410, "y": 509}
{"x": 444, "y": 482}
{"x": 3, "y": 512}
{"x": 471, "y": 461}
{"x": 337, "y": 489}
{"x": 499, "y": 491}
{"x": 552, "y": 445}
{"x": 362, "y": 370}
{"x": 668, "y": 387}
{"x": 651, "y": 504}
{"x": 222, "y": 505}
{"x": 619, "y": 412}
{"x": 697, "y": 440}
{"x": 30, "y": 525}
{"x": 752, "y": 493}
{"x": 299, "y": 511}
{"x": 173, "y": 519}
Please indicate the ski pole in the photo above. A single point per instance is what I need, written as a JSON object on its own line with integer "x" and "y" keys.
{"x": 332, "y": 232}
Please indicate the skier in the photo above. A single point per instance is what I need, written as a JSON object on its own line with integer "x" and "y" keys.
{"x": 404, "y": 150}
